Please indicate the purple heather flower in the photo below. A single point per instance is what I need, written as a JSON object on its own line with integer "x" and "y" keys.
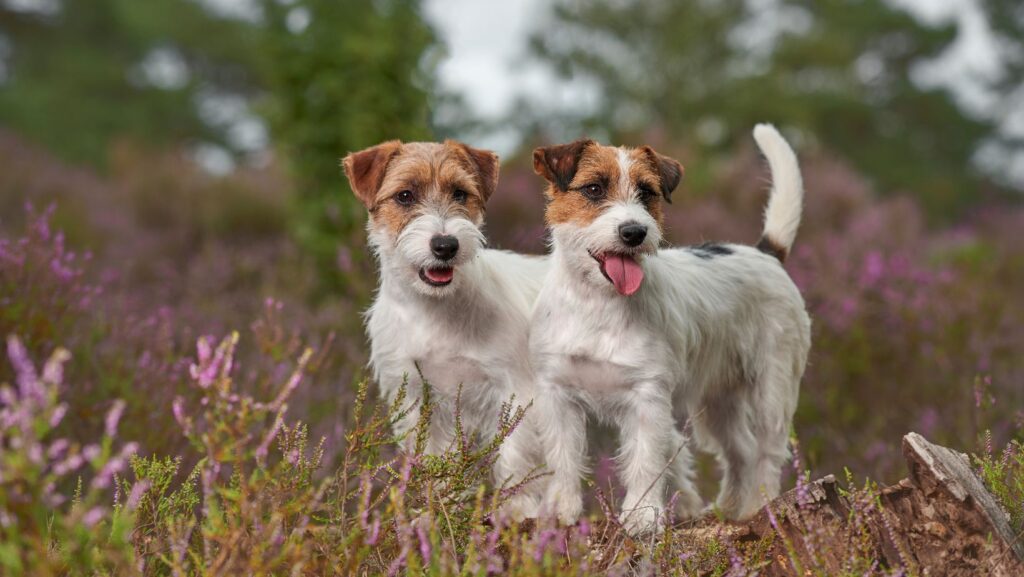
{"x": 264, "y": 446}
{"x": 374, "y": 532}
{"x": 545, "y": 537}
{"x": 93, "y": 516}
{"x": 71, "y": 463}
{"x": 35, "y": 453}
{"x": 138, "y": 490}
{"x": 57, "y": 449}
{"x": 178, "y": 410}
{"x": 53, "y": 370}
{"x": 58, "y": 414}
{"x": 115, "y": 465}
{"x": 424, "y": 539}
{"x": 91, "y": 452}
{"x": 205, "y": 370}
{"x": 28, "y": 380}
{"x": 584, "y": 527}
{"x": 736, "y": 566}
{"x": 113, "y": 418}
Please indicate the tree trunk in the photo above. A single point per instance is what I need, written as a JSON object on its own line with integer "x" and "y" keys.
{"x": 939, "y": 521}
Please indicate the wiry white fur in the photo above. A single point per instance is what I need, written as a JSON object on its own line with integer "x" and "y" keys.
{"x": 782, "y": 215}
{"x": 722, "y": 339}
{"x": 472, "y": 333}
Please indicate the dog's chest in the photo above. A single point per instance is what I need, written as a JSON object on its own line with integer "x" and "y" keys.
{"x": 447, "y": 373}
{"x": 599, "y": 349}
{"x": 446, "y": 356}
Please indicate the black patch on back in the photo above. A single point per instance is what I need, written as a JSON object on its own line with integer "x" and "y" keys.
{"x": 710, "y": 250}
{"x": 771, "y": 248}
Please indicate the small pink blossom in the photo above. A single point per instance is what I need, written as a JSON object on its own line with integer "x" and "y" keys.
{"x": 113, "y": 418}
{"x": 93, "y": 516}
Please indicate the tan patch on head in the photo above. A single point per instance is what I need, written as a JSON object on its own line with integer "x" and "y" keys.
{"x": 668, "y": 170}
{"x": 365, "y": 169}
{"x": 601, "y": 166}
{"x": 598, "y": 165}
{"x": 644, "y": 173}
{"x": 433, "y": 173}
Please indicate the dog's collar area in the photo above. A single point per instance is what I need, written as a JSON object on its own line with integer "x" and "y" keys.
{"x": 437, "y": 276}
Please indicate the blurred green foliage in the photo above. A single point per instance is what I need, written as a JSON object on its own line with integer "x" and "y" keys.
{"x": 331, "y": 77}
{"x": 75, "y": 81}
{"x": 839, "y": 70}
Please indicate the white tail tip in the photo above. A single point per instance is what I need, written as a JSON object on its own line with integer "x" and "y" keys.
{"x": 785, "y": 205}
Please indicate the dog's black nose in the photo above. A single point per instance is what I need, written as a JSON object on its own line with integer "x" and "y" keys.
{"x": 632, "y": 233}
{"x": 444, "y": 247}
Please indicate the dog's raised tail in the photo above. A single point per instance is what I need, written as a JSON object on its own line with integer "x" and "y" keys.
{"x": 782, "y": 216}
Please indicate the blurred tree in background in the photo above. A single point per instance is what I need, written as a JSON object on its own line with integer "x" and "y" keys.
{"x": 344, "y": 75}
{"x": 331, "y": 76}
{"x": 1006, "y": 17}
{"x": 78, "y": 75}
{"x": 839, "y": 70}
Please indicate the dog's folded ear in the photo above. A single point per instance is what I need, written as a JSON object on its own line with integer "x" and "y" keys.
{"x": 558, "y": 163}
{"x": 485, "y": 163}
{"x": 669, "y": 169}
{"x": 365, "y": 169}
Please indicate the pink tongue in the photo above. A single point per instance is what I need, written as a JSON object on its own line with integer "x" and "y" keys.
{"x": 440, "y": 274}
{"x": 625, "y": 273}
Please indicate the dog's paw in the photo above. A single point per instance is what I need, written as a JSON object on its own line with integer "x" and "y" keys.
{"x": 565, "y": 502}
{"x": 689, "y": 505}
{"x": 738, "y": 510}
{"x": 520, "y": 507}
{"x": 644, "y": 519}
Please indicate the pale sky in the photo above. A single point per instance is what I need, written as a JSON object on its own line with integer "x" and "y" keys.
{"x": 486, "y": 44}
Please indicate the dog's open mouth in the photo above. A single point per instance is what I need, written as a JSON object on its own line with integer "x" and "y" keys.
{"x": 622, "y": 270}
{"x": 437, "y": 276}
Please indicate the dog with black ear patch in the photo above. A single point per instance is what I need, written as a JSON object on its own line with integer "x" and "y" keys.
{"x": 630, "y": 332}
{"x": 447, "y": 307}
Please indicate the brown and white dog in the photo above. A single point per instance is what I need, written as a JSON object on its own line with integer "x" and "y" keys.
{"x": 446, "y": 307}
{"x": 629, "y": 331}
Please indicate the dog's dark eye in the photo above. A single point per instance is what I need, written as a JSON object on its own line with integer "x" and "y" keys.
{"x": 460, "y": 196}
{"x": 593, "y": 191}
{"x": 646, "y": 192}
{"x": 405, "y": 198}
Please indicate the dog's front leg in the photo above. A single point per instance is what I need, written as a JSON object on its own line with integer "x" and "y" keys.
{"x": 645, "y": 434}
{"x": 562, "y": 430}
{"x": 515, "y": 463}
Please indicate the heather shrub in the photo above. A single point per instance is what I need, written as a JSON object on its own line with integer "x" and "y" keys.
{"x": 56, "y": 512}
{"x": 48, "y": 300}
{"x": 1003, "y": 474}
{"x": 257, "y": 501}
{"x": 147, "y": 285}
{"x": 261, "y": 501}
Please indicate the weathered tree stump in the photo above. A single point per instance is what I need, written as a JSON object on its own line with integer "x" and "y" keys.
{"x": 939, "y": 521}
